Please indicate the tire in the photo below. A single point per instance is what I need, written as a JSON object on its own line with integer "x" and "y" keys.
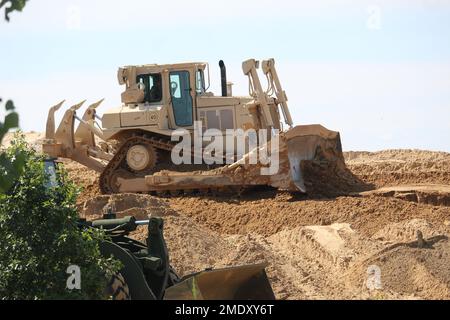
{"x": 117, "y": 288}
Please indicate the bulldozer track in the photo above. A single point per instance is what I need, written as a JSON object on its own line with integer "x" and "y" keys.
{"x": 106, "y": 177}
{"x": 213, "y": 192}
{"x": 117, "y": 168}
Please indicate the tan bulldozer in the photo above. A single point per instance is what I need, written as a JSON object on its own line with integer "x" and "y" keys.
{"x": 171, "y": 135}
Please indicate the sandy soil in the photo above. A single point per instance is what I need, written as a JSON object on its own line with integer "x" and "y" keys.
{"x": 393, "y": 167}
{"x": 316, "y": 247}
{"x": 321, "y": 248}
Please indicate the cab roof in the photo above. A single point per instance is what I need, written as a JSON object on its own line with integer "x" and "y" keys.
{"x": 201, "y": 65}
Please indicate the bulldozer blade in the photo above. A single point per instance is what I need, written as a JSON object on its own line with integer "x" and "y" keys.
{"x": 50, "y": 128}
{"x": 311, "y": 142}
{"x": 247, "y": 282}
{"x": 301, "y": 143}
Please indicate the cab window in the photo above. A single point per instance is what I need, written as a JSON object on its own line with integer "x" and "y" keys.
{"x": 200, "y": 82}
{"x": 152, "y": 86}
{"x": 180, "y": 91}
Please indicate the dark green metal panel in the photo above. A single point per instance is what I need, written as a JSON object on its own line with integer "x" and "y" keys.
{"x": 158, "y": 278}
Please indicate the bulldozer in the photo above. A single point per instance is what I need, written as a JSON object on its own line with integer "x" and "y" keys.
{"x": 133, "y": 146}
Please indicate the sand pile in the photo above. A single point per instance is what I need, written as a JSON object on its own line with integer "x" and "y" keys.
{"x": 32, "y": 138}
{"x": 85, "y": 178}
{"x": 331, "y": 179}
{"x": 407, "y": 271}
{"x": 273, "y": 213}
{"x": 393, "y": 167}
{"x": 127, "y": 204}
{"x": 434, "y": 194}
{"x": 406, "y": 231}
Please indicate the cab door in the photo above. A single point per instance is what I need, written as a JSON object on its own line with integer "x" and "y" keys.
{"x": 181, "y": 97}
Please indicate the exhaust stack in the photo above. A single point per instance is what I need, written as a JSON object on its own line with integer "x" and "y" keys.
{"x": 223, "y": 78}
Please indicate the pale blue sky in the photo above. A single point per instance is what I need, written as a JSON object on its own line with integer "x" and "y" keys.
{"x": 378, "y": 71}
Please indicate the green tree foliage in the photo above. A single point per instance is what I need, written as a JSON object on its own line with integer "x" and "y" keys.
{"x": 9, "y": 170}
{"x": 11, "y": 119}
{"x": 10, "y": 167}
{"x": 14, "y": 5}
{"x": 40, "y": 238}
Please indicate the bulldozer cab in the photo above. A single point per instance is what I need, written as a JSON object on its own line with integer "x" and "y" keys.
{"x": 174, "y": 87}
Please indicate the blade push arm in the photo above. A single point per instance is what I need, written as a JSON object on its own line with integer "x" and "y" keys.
{"x": 268, "y": 67}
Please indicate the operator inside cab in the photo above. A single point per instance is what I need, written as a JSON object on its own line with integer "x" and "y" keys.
{"x": 152, "y": 86}
{"x": 155, "y": 93}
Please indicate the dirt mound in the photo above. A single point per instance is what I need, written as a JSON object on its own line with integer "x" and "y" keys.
{"x": 395, "y": 155}
{"x": 140, "y": 206}
{"x": 269, "y": 213}
{"x": 192, "y": 248}
{"x": 435, "y": 194}
{"x": 84, "y": 178}
{"x": 317, "y": 261}
{"x": 331, "y": 179}
{"x": 416, "y": 273}
{"x": 32, "y": 138}
{"x": 406, "y": 231}
{"x": 393, "y": 167}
